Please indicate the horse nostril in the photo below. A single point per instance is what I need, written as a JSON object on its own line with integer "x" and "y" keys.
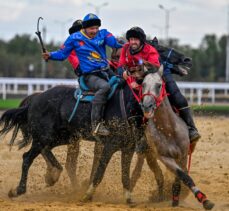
{"x": 147, "y": 107}
{"x": 187, "y": 60}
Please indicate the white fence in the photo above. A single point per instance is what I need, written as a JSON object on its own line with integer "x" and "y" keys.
{"x": 196, "y": 92}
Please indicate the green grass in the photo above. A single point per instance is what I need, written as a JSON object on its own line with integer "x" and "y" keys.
{"x": 9, "y": 103}
{"x": 199, "y": 110}
{"x": 211, "y": 109}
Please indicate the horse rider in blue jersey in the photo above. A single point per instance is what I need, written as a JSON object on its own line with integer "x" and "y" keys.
{"x": 89, "y": 45}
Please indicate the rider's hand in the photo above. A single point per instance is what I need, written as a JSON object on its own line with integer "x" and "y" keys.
{"x": 134, "y": 85}
{"x": 46, "y": 55}
{"x": 125, "y": 75}
{"x": 148, "y": 64}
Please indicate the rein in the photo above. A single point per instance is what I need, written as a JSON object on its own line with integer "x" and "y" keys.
{"x": 139, "y": 89}
{"x": 166, "y": 63}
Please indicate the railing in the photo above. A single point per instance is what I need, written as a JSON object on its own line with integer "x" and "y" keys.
{"x": 196, "y": 92}
{"x": 27, "y": 86}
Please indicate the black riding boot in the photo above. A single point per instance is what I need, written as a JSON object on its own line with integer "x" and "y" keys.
{"x": 186, "y": 115}
{"x": 98, "y": 127}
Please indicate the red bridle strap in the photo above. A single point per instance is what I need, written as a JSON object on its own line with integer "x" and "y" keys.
{"x": 158, "y": 99}
{"x": 137, "y": 92}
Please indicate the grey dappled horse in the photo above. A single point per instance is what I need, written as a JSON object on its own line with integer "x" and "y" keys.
{"x": 168, "y": 135}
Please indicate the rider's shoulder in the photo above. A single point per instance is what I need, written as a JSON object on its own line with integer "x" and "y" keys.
{"x": 149, "y": 48}
{"x": 103, "y": 32}
{"x": 76, "y": 36}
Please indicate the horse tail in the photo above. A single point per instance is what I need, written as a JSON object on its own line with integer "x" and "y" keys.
{"x": 27, "y": 137}
{"x": 13, "y": 119}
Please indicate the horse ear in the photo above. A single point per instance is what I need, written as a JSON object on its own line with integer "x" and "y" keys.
{"x": 155, "y": 41}
{"x": 160, "y": 70}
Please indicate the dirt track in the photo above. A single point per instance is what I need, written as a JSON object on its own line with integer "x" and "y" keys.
{"x": 210, "y": 171}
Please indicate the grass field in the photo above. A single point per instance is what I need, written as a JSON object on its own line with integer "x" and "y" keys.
{"x": 199, "y": 110}
{"x": 9, "y": 103}
{"x": 211, "y": 109}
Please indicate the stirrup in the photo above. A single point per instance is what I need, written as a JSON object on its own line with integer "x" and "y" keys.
{"x": 100, "y": 131}
{"x": 96, "y": 129}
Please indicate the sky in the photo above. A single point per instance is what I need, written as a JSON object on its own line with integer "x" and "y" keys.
{"x": 189, "y": 20}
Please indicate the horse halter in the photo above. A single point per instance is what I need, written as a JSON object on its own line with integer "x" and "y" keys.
{"x": 158, "y": 99}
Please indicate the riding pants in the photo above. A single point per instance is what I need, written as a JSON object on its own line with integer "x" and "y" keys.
{"x": 98, "y": 82}
{"x": 175, "y": 97}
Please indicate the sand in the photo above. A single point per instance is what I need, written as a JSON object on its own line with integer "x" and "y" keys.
{"x": 209, "y": 169}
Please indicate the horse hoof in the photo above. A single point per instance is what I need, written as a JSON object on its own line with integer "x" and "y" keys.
{"x": 160, "y": 198}
{"x": 175, "y": 203}
{"x": 52, "y": 176}
{"x": 12, "y": 193}
{"x": 208, "y": 205}
{"x": 86, "y": 198}
{"x": 49, "y": 181}
{"x": 129, "y": 201}
{"x": 132, "y": 205}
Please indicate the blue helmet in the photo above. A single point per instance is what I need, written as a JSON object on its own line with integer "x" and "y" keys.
{"x": 91, "y": 20}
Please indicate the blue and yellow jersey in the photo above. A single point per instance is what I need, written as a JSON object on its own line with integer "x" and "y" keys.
{"x": 91, "y": 52}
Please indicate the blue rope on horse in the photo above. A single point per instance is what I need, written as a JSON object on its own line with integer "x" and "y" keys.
{"x": 77, "y": 93}
{"x": 167, "y": 66}
{"x": 166, "y": 63}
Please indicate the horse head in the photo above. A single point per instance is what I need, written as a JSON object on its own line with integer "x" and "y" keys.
{"x": 178, "y": 62}
{"x": 153, "y": 93}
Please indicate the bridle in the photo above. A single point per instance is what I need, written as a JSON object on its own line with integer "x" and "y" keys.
{"x": 158, "y": 99}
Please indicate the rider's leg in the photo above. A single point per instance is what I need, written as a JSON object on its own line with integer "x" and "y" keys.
{"x": 180, "y": 102}
{"x": 185, "y": 114}
{"x": 102, "y": 89}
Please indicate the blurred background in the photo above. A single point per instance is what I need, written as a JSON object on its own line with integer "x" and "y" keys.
{"x": 198, "y": 28}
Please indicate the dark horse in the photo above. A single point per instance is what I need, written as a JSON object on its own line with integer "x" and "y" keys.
{"x": 46, "y": 118}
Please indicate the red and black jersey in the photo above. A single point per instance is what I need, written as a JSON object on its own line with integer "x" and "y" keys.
{"x": 148, "y": 53}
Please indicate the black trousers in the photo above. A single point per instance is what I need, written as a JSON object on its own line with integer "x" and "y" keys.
{"x": 175, "y": 98}
{"x": 98, "y": 82}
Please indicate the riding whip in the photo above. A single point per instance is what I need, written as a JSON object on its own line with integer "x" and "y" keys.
{"x": 38, "y": 33}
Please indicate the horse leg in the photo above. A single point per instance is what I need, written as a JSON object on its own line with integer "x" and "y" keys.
{"x": 155, "y": 168}
{"x": 106, "y": 155}
{"x": 125, "y": 162}
{"x": 28, "y": 158}
{"x": 54, "y": 168}
{"x": 187, "y": 180}
{"x": 176, "y": 188}
{"x": 97, "y": 155}
{"x": 137, "y": 170}
{"x": 71, "y": 161}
